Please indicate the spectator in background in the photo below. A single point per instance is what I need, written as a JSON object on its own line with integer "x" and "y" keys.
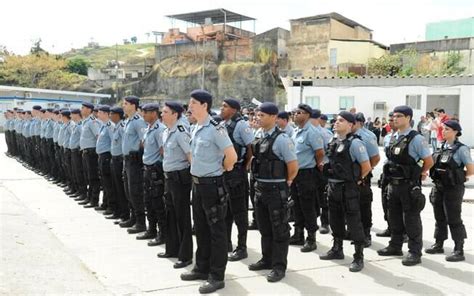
{"x": 431, "y": 128}
{"x": 442, "y": 118}
{"x": 384, "y": 131}
{"x": 377, "y": 128}
{"x": 369, "y": 124}
{"x": 421, "y": 128}
{"x": 353, "y": 110}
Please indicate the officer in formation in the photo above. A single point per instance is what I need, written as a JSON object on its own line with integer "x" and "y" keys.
{"x": 452, "y": 166}
{"x": 236, "y": 180}
{"x": 283, "y": 123}
{"x": 409, "y": 160}
{"x": 212, "y": 154}
{"x": 304, "y": 190}
{"x": 78, "y": 177}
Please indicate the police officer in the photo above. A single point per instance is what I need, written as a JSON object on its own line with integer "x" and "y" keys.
{"x": 366, "y": 195}
{"x": 409, "y": 159}
{"x": 103, "y": 146}
{"x": 310, "y": 153}
{"x": 122, "y": 210}
{"x": 132, "y": 149}
{"x": 88, "y": 143}
{"x": 274, "y": 168}
{"x": 49, "y": 144}
{"x": 153, "y": 178}
{"x": 64, "y": 141}
{"x": 348, "y": 165}
{"x": 449, "y": 176}
{"x": 76, "y": 157}
{"x": 57, "y": 174}
{"x": 236, "y": 180}
{"x": 283, "y": 123}
{"x": 176, "y": 162}
{"x": 7, "y": 129}
{"x": 212, "y": 153}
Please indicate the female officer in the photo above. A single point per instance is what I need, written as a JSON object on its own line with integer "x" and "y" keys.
{"x": 449, "y": 176}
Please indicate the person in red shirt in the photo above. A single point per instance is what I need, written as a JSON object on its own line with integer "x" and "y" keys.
{"x": 442, "y": 118}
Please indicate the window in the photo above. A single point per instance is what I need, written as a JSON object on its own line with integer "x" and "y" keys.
{"x": 128, "y": 76}
{"x": 333, "y": 57}
{"x": 346, "y": 102}
{"x": 414, "y": 101}
{"x": 313, "y": 101}
{"x": 379, "y": 106}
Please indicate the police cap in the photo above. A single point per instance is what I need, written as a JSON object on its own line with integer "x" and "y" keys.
{"x": 268, "y": 108}
{"x": 176, "y": 107}
{"x": 316, "y": 113}
{"x": 283, "y": 115}
{"x": 405, "y": 110}
{"x": 233, "y": 103}
{"x": 151, "y": 107}
{"x": 88, "y": 105}
{"x": 306, "y": 108}
{"x": 201, "y": 95}
{"x": 347, "y": 116}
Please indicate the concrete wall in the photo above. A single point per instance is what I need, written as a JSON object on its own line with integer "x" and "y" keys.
{"x": 358, "y": 52}
{"x": 209, "y": 48}
{"x": 342, "y": 31}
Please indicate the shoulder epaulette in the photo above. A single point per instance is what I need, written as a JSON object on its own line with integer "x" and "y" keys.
{"x": 213, "y": 122}
{"x": 136, "y": 116}
{"x": 122, "y": 124}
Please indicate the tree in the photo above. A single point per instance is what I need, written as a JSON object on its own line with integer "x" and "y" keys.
{"x": 385, "y": 65}
{"x": 451, "y": 65}
{"x": 36, "y": 48}
{"x": 61, "y": 80}
{"x": 78, "y": 66}
{"x": 133, "y": 39}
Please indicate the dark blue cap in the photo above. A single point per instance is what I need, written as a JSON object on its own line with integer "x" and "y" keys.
{"x": 323, "y": 117}
{"x": 66, "y": 113}
{"x": 316, "y": 113}
{"x": 347, "y": 116}
{"x": 306, "y": 108}
{"x": 42, "y": 110}
{"x": 133, "y": 100}
{"x": 453, "y": 124}
{"x": 104, "y": 108}
{"x": 405, "y": 110}
{"x": 96, "y": 108}
{"x": 268, "y": 108}
{"x": 56, "y": 111}
{"x": 75, "y": 111}
{"x": 176, "y": 107}
{"x": 88, "y": 105}
{"x": 36, "y": 107}
{"x": 201, "y": 95}
{"x": 233, "y": 103}
{"x": 49, "y": 110}
{"x": 117, "y": 110}
{"x": 283, "y": 115}
{"x": 360, "y": 117}
{"x": 151, "y": 107}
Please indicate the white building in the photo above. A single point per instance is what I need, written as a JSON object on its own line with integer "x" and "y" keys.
{"x": 377, "y": 96}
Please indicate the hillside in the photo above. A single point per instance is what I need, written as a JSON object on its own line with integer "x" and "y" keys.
{"x": 98, "y": 57}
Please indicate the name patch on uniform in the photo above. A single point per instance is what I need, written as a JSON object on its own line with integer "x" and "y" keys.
{"x": 340, "y": 148}
{"x": 397, "y": 150}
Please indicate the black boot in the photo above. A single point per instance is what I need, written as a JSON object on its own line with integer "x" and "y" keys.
{"x": 158, "y": 240}
{"x": 368, "y": 238}
{"x": 458, "y": 252}
{"x": 324, "y": 229}
{"x": 436, "y": 248}
{"x": 149, "y": 234}
{"x": 298, "y": 237}
{"x": 128, "y": 223}
{"x": 335, "y": 252}
{"x": 385, "y": 233}
{"x": 310, "y": 244}
{"x": 358, "y": 263}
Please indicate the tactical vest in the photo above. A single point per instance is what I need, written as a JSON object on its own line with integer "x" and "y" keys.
{"x": 445, "y": 170}
{"x": 400, "y": 164}
{"x": 340, "y": 166}
{"x": 265, "y": 164}
{"x": 230, "y": 130}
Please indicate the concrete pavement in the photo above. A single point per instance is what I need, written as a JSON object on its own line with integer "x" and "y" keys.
{"x": 50, "y": 245}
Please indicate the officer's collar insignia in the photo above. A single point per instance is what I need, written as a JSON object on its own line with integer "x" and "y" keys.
{"x": 180, "y": 128}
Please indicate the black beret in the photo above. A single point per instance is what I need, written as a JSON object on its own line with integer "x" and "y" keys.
{"x": 49, "y": 110}
{"x": 151, "y": 107}
{"x": 56, "y": 111}
{"x": 347, "y": 116}
{"x": 66, "y": 113}
{"x": 233, "y": 103}
{"x": 315, "y": 113}
{"x": 36, "y": 107}
{"x": 96, "y": 108}
{"x": 268, "y": 108}
{"x": 43, "y": 110}
{"x": 306, "y": 108}
{"x": 117, "y": 110}
{"x": 104, "y": 108}
{"x": 360, "y": 117}
{"x": 405, "y": 110}
{"x": 133, "y": 100}
{"x": 453, "y": 124}
{"x": 201, "y": 95}
{"x": 283, "y": 115}
{"x": 323, "y": 117}
{"x": 27, "y": 112}
{"x": 88, "y": 105}
{"x": 176, "y": 107}
{"x": 75, "y": 111}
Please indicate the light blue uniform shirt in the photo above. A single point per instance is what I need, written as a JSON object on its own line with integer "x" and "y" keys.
{"x": 32, "y": 127}
{"x": 243, "y": 135}
{"x": 43, "y": 127}
{"x": 75, "y": 138}
{"x": 49, "y": 129}
{"x": 208, "y": 142}
{"x": 61, "y": 134}
{"x": 175, "y": 148}
{"x": 283, "y": 148}
{"x": 307, "y": 140}
{"x": 104, "y": 139}
{"x": 26, "y": 129}
{"x": 117, "y": 132}
{"x": 57, "y": 129}
{"x": 369, "y": 140}
{"x": 418, "y": 147}
{"x": 462, "y": 156}
{"x": 326, "y": 134}
{"x": 358, "y": 151}
{"x": 133, "y": 134}
{"x": 153, "y": 143}
{"x": 90, "y": 131}
{"x": 289, "y": 130}
{"x": 67, "y": 134}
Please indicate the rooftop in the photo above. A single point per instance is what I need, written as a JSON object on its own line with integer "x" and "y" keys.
{"x": 332, "y": 15}
{"x": 217, "y": 16}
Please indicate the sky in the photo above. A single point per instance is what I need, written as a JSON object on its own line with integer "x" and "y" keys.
{"x": 67, "y": 24}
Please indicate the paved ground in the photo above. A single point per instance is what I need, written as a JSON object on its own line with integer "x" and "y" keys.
{"x": 50, "y": 245}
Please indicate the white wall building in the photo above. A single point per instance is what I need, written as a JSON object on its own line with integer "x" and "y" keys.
{"x": 377, "y": 96}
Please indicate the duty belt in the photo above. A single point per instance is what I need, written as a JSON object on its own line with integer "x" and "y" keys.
{"x": 399, "y": 181}
{"x": 207, "y": 180}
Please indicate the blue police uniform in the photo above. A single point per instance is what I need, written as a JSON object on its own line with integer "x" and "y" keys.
{"x": 104, "y": 141}
{"x": 289, "y": 130}
{"x": 90, "y": 131}
{"x": 133, "y": 134}
{"x": 175, "y": 148}
{"x": 153, "y": 144}
{"x": 117, "y": 132}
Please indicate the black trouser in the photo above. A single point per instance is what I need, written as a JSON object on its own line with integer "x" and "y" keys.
{"x": 122, "y": 208}
{"x": 322, "y": 204}
{"x": 109, "y": 196}
{"x": 179, "y": 241}
{"x": 404, "y": 217}
{"x": 209, "y": 210}
{"x": 78, "y": 172}
{"x": 153, "y": 190}
{"x": 133, "y": 181}
{"x": 7, "y": 139}
{"x": 304, "y": 193}
{"x": 66, "y": 162}
{"x": 235, "y": 182}
{"x": 49, "y": 156}
{"x": 344, "y": 205}
{"x": 384, "y": 193}
{"x": 271, "y": 202}
{"x": 252, "y": 194}
{"x": 366, "y": 198}
{"x": 447, "y": 205}
{"x": 56, "y": 160}
{"x": 14, "y": 150}
{"x": 44, "y": 155}
{"x": 91, "y": 169}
